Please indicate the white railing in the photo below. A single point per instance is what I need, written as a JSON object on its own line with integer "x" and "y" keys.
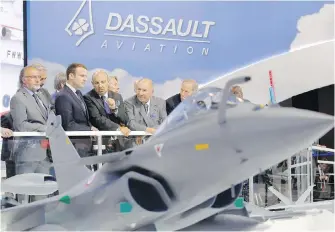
{"x": 97, "y": 134}
{"x": 319, "y": 148}
{"x": 99, "y": 147}
{"x": 82, "y": 133}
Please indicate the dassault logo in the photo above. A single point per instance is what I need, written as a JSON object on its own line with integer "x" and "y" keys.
{"x": 176, "y": 35}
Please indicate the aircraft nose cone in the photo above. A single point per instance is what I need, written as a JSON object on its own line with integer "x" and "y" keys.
{"x": 297, "y": 120}
{"x": 271, "y": 135}
{"x": 290, "y": 130}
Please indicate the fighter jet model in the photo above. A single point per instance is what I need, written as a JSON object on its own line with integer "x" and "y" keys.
{"x": 185, "y": 174}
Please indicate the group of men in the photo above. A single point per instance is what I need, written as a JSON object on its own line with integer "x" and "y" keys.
{"x": 102, "y": 108}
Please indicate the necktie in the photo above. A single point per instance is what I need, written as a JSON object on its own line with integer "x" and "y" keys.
{"x": 146, "y": 107}
{"x": 81, "y": 100}
{"x": 40, "y": 105}
{"x": 107, "y": 109}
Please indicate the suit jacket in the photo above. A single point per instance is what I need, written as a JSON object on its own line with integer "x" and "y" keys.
{"x": 172, "y": 103}
{"x": 27, "y": 117}
{"x": 69, "y": 107}
{"x": 138, "y": 119}
{"x": 46, "y": 93}
{"x": 25, "y": 112}
{"x": 98, "y": 116}
{"x": 53, "y": 97}
{"x": 7, "y": 143}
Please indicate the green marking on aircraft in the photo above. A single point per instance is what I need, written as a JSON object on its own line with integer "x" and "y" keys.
{"x": 65, "y": 199}
{"x": 125, "y": 207}
{"x": 239, "y": 202}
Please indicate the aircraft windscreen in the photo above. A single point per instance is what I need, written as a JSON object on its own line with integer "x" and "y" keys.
{"x": 204, "y": 101}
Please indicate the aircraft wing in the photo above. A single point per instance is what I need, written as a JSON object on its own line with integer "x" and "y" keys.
{"x": 25, "y": 216}
{"x": 106, "y": 158}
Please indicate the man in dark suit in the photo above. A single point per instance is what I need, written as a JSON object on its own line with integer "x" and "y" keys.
{"x": 188, "y": 87}
{"x": 70, "y": 105}
{"x": 106, "y": 108}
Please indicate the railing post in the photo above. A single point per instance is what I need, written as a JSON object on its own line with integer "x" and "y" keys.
{"x": 99, "y": 148}
{"x": 251, "y": 190}
{"x": 310, "y": 155}
{"x": 289, "y": 179}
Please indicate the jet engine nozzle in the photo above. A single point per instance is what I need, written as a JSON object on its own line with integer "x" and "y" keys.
{"x": 146, "y": 192}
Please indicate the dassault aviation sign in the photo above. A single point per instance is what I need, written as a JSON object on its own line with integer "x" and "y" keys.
{"x": 124, "y": 32}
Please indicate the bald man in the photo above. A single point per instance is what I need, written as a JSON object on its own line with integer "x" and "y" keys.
{"x": 106, "y": 108}
{"x": 188, "y": 87}
{"x": 145, "y": 112}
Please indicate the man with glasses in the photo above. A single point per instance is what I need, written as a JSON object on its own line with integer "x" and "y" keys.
{"x": 29, "y": 111}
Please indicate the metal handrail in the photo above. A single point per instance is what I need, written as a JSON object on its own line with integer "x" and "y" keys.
{"x": 81, "y": 133}
{"x": 321, "y": 148}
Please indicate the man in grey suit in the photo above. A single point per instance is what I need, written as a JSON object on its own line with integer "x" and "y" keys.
{"x": 145, "y": 112}
{"x": 29, "y": 111}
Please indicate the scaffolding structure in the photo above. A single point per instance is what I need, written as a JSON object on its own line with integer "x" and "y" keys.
{"x": 290, "y": 182}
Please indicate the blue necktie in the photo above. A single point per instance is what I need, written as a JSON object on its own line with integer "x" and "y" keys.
{"x": 107, "y": 109}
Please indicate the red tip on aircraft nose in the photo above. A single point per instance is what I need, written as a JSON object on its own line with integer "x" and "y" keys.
{"x": 45, "y": 143}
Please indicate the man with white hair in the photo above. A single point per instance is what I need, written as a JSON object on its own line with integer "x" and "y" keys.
{"x": 188, "y": 87}
{"x": 59, "y": 83}
{"x": 113, "y": 84}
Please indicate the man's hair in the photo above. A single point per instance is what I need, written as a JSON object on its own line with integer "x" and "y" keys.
{"x": 113, "y": 77}
{"x": 39, "y": 67}
{"x": 236, "y": 89}
{"x": 145, "y": 79}
{"x": 97, "y": 72}
{"x": 72, "y": 69}
{"x": 22, "y": 74}
{"x": 193, "y": 82}
{"x": 60, "y": 79}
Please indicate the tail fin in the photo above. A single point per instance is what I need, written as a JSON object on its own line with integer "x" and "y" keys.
{"x": 63, "y": 151}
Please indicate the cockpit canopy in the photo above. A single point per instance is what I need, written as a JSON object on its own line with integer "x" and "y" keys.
{"x": 204, "y": 101}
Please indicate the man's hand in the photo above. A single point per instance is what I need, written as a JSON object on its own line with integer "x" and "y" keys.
{"x": 94, "y": 129}
{"x": 150, "y": 130}
{"x": 111, "y": 103}
{"x": 138, "y": 140}
{"x": 6, "y": 133}
{"x": 125, "y": 130}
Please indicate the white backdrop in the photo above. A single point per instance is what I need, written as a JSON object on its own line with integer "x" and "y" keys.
{"x": 11, "y": 49}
